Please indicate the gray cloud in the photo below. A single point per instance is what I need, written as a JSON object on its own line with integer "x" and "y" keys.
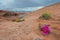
{"x": 27, "y": 9}
{"x": 13, "y": 4}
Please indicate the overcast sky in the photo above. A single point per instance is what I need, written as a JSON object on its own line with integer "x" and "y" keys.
{"x": 27, "y": 5}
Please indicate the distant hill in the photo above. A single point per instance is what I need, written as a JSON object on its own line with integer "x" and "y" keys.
{"x": 54, "y": 9}
{"x": 5, "y": 14}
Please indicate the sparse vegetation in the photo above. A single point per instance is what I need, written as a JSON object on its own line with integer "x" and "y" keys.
{"x": 18, "y": 20}
{"x": 10, "y": 14}
{"x": 15, "y": 14}
{"x": 46, "y": 16}
{"x": 7, "y": 15}
{"x": 39, "y": 27}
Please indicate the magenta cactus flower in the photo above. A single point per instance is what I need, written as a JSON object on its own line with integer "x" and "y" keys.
{"x": 45, "y": 29}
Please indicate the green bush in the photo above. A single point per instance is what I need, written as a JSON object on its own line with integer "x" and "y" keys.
{"x": 18, "y": 20}
{"x": 46, "y": 16}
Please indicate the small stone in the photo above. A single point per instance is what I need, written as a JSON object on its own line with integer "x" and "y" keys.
{"x": 37, "y": 39}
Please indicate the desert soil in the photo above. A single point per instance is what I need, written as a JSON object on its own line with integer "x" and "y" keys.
{"x": 28, "y": 29}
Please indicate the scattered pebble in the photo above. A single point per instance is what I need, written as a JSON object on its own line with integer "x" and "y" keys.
{"x": 37, "y": 39}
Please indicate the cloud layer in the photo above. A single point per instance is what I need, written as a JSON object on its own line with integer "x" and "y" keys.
{"x": 27, "y": 9}
{"x": 15, "y": 4}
